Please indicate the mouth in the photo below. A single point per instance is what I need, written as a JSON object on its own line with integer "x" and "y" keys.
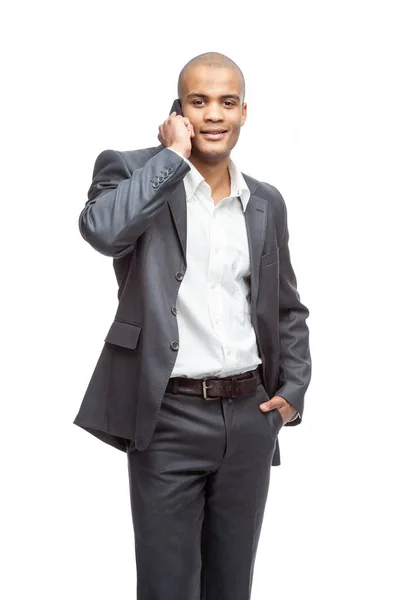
{"x": 214, "y": 134}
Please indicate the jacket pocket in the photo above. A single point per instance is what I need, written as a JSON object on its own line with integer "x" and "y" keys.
{"x": 122, "y": 333}
{"x": 269, "y": 258}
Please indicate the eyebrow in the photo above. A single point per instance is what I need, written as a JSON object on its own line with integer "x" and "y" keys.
{"x": 193, "y": 94}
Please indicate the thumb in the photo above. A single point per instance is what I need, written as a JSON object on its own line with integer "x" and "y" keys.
{"x": 270, "y": 404}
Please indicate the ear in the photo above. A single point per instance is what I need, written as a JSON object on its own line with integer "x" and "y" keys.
{"x": 243, "y": 113}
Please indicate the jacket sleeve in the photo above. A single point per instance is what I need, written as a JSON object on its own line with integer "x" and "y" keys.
{"x": 295, "y": 360}
{"x": 121, "y": 204}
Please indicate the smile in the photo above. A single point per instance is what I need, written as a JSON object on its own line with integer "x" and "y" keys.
{"x": 214, "y": 135}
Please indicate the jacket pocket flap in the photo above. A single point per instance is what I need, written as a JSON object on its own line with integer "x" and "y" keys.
{"x": 123, "y": 334}
{"x": 269, "y": 258}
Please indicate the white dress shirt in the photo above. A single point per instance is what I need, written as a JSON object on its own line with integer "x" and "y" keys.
{"x": 216, "y": 336}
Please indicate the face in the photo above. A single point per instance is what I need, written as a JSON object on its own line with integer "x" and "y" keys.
{"x": 212, "y": 100}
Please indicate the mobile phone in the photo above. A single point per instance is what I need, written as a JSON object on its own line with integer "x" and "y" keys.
{"x": 176, "y": 107}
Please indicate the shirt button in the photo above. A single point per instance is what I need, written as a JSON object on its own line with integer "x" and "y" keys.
{"x": 216, "y": 249}
{"x": 174, "y": 310}
{"x": 174, "y": 345}
{"x": 228, "y": 351}
{"x": 213, "y": 285}
{"x": 179, "y": 276}
{"x": 216, "y": 320}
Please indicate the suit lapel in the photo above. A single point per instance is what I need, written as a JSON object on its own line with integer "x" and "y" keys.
{"x": 256, "y": 221}
{"x": 178, "y": 207}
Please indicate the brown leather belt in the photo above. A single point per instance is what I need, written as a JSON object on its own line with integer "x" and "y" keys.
{"x": 216, "y": 387}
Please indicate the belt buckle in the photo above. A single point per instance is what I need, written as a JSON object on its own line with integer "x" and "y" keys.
{"x": 204, "y": 388}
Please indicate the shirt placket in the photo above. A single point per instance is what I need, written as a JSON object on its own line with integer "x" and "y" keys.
{"x": 217, "y": 261}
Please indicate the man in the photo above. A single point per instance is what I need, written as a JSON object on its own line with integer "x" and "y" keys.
{"x": 208, "y": 355}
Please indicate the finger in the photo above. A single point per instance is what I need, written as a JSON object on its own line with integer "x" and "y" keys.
{"x": 190, "y": 130}
{"x": 188, "y": 123}
{"x": 174, "y": 115}
{"x": 270, "y": 404}
{"x": 171, "y": 116}
{"x": 189, "y": 126}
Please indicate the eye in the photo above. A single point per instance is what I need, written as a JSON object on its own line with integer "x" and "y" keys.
{"x": 229, "y": 103}
{"x": 195, "y": 101}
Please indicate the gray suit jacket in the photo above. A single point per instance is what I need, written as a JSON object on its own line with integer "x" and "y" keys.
{"x": 136, "y": 213}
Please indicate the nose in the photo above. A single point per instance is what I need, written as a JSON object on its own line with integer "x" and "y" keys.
{"x": 213, "y": 112}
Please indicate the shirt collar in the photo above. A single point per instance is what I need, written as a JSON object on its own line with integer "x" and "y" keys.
{"x": 239, "y": 187}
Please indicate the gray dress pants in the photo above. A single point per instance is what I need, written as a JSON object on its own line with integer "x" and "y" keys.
{"x": 198, "y": 494}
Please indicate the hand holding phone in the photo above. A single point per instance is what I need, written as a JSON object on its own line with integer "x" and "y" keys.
{"x": 176, "y": 132}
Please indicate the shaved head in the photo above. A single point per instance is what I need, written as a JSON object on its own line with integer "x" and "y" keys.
{"x": 209, "y": 59}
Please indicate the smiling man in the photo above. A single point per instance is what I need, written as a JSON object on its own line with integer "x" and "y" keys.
{"x": 208, "y": 355}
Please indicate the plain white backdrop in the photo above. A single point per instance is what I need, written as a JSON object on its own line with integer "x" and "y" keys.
{"x": 322, "y": 94}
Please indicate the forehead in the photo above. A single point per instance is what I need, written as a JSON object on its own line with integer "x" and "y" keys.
{"x": 212, "y": 80}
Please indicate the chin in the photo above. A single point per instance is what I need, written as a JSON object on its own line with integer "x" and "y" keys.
{"x": 212, "y": 152}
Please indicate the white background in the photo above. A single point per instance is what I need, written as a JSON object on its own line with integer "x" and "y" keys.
{"x": 80, "y": 77}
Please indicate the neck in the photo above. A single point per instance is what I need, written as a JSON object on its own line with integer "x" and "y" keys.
{"x": 216, "y": 174}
